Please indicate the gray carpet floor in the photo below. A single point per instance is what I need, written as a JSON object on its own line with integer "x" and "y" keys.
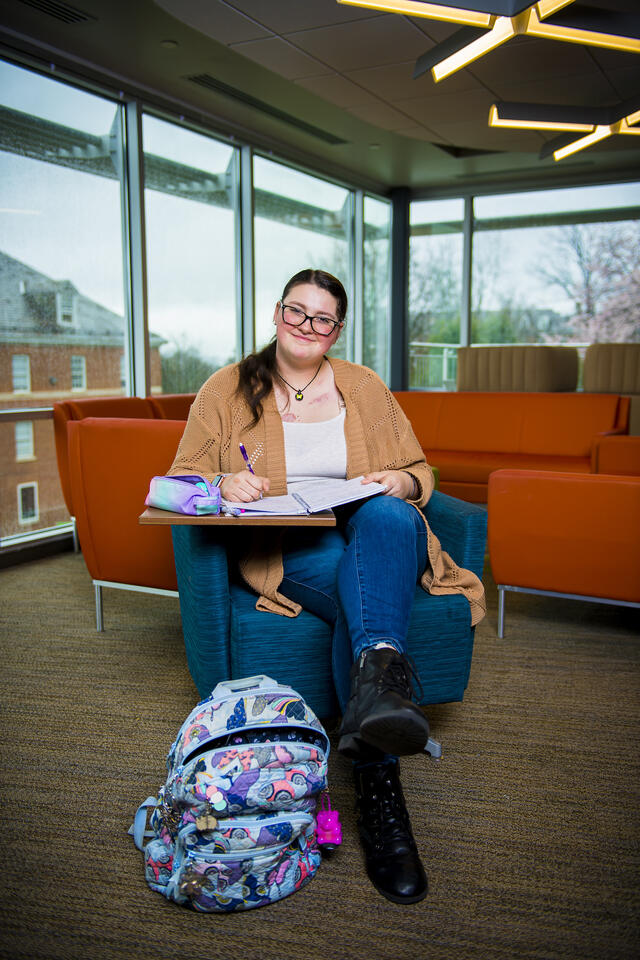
{"x": 528, "y": 826}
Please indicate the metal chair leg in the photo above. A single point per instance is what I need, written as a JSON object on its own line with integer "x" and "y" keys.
{"x": 99, "y": 622}
{"x": 501, "y": 593}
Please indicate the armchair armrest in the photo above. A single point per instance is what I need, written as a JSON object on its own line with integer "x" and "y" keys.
{"x": 202, "y": 571}
{"x": 617, "y": 455}
{"x": 461, "y": 528}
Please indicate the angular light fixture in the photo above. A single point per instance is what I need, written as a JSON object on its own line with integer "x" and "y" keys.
{"x": 596, "y": 123}
{"x": 434, "y": 11}
{"x": 489, "y": 23}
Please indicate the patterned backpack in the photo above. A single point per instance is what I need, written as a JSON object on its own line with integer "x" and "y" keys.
{"x": 234, "y": 825}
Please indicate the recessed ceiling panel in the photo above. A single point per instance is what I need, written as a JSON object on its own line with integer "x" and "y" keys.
{"x": 214, "y": 18}
{"x": 276, "y": 54}
{"x": 381, "y": 115}
{"x": 367, "y": 43}
{"x": 527, "y": 58}
{"x": 284, "y": 16}
{"x": 393, "y": 82}
{"x": 338, "y": 90}
{"x": 473, "y": 108}
{"x": 589, "y": 88}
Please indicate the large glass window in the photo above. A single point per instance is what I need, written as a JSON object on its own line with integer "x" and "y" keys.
{"x": 61, "y": 269}
{"x": 300, "y": 221}
{"x": 25, "y": 448}
{"x": 191, "y": 265}
{"x": 435, "y": 292}
{"x": 377, "y": 285}
{"x": 557, "y": 266}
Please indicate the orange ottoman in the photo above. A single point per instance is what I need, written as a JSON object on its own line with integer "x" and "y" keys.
{"x": 565, "y": 534}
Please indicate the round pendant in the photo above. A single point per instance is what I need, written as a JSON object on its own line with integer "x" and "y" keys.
{"x": 299, "y": 396}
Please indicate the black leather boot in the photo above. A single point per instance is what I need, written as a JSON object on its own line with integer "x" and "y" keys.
{"x": 392, "y": 861}
{"x": 380, "y": 712}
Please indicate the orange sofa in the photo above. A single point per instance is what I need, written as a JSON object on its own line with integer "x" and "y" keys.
{"x": 111, "y": 462}
{"x": 468, "y": 435}
{"x": 174, "y": 406}
{"x": 565, "y": 534}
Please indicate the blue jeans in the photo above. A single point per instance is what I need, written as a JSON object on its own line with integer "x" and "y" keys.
{"x": 360, "y": 576}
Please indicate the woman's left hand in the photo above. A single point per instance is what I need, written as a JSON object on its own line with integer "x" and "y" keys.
{"x": 399, "y": 483}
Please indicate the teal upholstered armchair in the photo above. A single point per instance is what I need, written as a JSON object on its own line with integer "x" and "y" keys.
{"x": 225, "y": 636}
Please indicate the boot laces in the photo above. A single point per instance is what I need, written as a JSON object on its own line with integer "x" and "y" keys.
{"x": 402, "y": 677}
{"x": 387, "y": 817}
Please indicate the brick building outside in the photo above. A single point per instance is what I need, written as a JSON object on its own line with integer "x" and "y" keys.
{"x": 55, "y": 343}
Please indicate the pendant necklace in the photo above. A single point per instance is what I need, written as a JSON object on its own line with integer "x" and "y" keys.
{"x": 298, "y": 392}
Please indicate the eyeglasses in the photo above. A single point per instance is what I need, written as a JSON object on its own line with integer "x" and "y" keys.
{"x": 295, "y": 317}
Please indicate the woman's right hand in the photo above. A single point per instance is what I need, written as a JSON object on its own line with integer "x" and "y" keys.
{"x": 244, "y": 487}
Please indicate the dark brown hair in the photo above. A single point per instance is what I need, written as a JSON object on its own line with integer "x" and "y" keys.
{"x": 256, "y": 371}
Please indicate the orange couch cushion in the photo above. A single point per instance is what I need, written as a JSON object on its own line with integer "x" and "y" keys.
{"x": 111, "y": 462}
{"x": 565, "y": 532}
{"x": 473, "y": 467}
{"x": 551, "y": 424}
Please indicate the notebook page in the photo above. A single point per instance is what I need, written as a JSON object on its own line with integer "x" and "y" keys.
{"x": 320, "y": 495}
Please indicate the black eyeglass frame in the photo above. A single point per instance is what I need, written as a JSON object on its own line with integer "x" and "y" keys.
{"x": 305, "y": 316}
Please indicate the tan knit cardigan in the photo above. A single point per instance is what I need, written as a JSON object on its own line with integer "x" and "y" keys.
{"x": 378, "y": 435}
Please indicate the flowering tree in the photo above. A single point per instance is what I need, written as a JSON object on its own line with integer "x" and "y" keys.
{"x": 598, "y": 268}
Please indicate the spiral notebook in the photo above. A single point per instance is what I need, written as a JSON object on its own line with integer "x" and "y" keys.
{"x": 313, "y": 496}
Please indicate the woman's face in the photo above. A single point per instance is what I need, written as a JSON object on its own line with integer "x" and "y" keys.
{"x": 301, "y": 344}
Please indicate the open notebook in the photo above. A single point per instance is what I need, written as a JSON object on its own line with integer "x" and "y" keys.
{"x": 311, "y": 497}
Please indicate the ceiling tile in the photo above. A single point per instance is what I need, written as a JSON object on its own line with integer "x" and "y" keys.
{"x": 625, "y": 82}
{"x": 381, "y": 115}
{"x": 472, "y": 109}
{"x": 215, "y": 19}
{"x": 276, "y": 54}
{"x": 287, "y": 15}
{"x": 393, "y": 82}
{"x": 338, "y": 90}
{"x": 367, "y": 43}
{"x": 582, "y": 89}
{"x": 436, "y": 30}
{"x": 531, "y": 59}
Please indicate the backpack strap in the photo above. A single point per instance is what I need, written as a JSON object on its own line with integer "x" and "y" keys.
{"x": 138, "y": 829}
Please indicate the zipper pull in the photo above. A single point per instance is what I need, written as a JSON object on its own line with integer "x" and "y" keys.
{"x": 329, "y": 828}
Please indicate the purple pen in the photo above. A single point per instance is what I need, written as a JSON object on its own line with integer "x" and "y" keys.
{"x": 246, "y": 458}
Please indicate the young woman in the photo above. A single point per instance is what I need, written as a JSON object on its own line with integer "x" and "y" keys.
{"x": 301, "y": 414}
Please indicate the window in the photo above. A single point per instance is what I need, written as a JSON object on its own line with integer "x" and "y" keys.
{"x": 557, "y": 266}
{"x": 28, "y": 502}
{"x": 300, "y": 221}
{"x": 21, "y": 373}
{"x": 65, "y": 304}
{"x": 435, "y": 292}
{"x": 191, "y": 262}
{"x": 61, "y": 268}
{"x": 377, "y": 285}
{"x": 78, "y": 373}
{"x": 25, "y": 449}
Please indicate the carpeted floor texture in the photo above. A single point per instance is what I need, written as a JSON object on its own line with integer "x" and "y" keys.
{"x": 528, "y": 826}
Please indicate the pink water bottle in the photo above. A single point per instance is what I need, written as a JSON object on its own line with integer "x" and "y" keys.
{"x": 329, "y": 830}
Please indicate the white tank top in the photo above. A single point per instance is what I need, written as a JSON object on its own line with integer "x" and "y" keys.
{"x": 315, "y": 449}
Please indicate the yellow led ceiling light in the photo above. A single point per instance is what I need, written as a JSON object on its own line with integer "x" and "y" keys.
{"x": 597, "y": 123}
{"x": 433, "y": 11}
{"x": 497, "y": 118}
{"x": 493, "y": 22}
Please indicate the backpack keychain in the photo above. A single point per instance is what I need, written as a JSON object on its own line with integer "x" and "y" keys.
{"x": 329, "y": 829}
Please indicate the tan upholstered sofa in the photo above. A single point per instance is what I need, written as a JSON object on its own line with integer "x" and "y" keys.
{"x": 528, "y": 368}
{"x": 615, "y": 368}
